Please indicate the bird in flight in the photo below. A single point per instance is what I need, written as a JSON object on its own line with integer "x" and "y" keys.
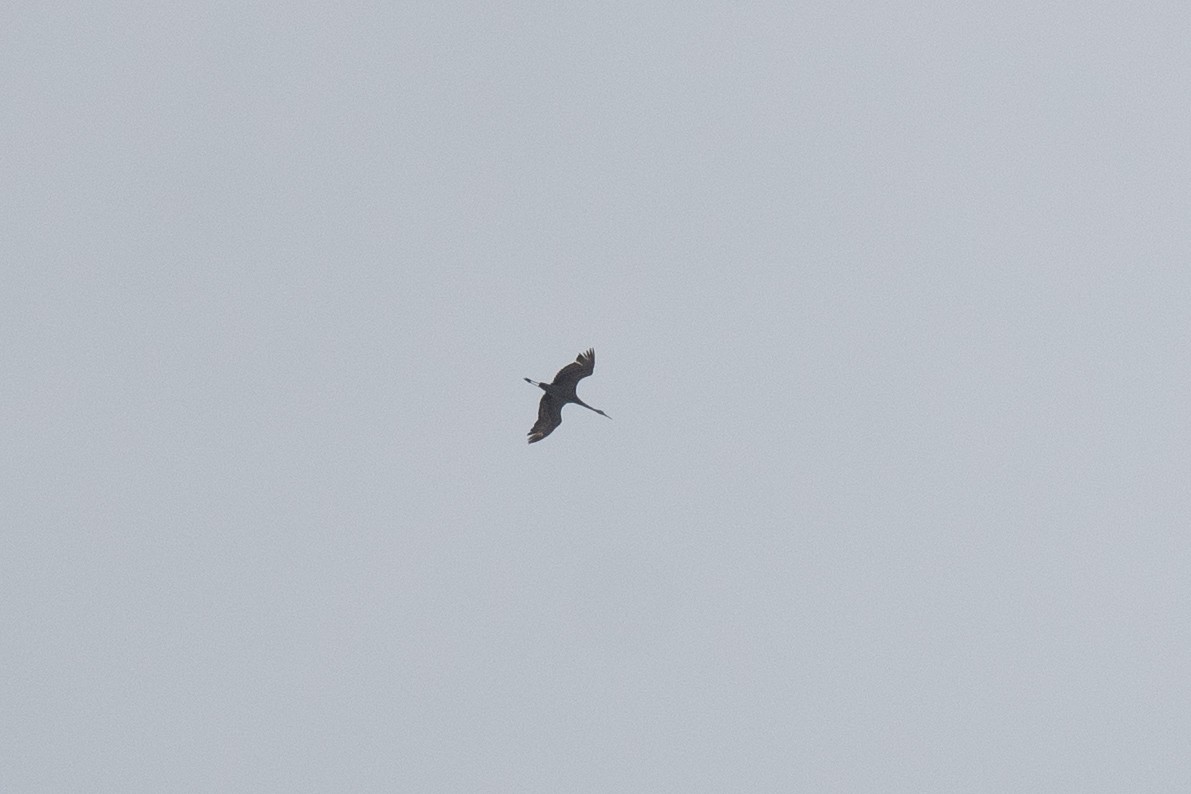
{"x": 561, "y": 392}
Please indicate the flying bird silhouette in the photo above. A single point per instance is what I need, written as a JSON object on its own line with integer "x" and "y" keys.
{"x": 561, "y": 392}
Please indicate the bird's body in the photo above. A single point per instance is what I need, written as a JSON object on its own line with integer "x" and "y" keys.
{"x": 560, "y": 392}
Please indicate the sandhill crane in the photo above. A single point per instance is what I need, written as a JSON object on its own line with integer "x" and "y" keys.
{"x": 561, "y": 392}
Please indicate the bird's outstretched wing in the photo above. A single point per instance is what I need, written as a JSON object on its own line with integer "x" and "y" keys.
{"x": 579, "y": 369}
{"x": 549, "y": 417}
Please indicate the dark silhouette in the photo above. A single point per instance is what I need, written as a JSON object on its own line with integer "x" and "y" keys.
{"x": 561, "y": 392}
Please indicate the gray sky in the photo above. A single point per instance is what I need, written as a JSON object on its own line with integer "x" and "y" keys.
{"x": 891, "y": 305}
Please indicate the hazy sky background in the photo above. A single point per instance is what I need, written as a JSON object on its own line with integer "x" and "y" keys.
{"x": 891, "y": 304}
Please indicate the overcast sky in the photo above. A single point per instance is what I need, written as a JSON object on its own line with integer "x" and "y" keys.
{"x": 891, "y": 304}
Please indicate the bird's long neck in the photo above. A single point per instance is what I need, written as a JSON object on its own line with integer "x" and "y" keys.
{"x": 588, "y": 407}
